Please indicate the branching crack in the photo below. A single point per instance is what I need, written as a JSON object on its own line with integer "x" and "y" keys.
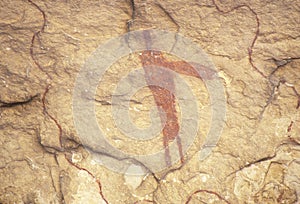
{"x": 254, "y": 162}
{"x": 250, "y": 49}
{"x": 274, "y": 89}
{"x": 92, "y": 175}
{"x": 62, "y": 149}
{"x": 281, "y": 63}
{"x": 35, "y": 36}
{"x": 270, "y": 99}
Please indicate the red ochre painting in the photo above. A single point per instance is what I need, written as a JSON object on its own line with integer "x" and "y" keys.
{"x": 163, "y": 95}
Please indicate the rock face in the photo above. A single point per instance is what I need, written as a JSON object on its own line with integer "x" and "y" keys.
{"x": 253, "y": 48}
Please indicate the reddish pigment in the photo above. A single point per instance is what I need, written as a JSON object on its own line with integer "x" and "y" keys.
{"x": 163, "y": 94}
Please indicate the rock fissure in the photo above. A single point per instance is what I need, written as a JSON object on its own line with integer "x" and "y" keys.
{"x": 62, "y": 149}
{"x": 208, "y": 192}
{"x": 250, "y": 49}
{"x": 4, "y": 104}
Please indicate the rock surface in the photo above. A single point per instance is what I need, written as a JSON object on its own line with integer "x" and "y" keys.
{"x": 255, "y": 47}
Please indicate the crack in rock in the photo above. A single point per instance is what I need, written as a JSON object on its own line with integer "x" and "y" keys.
{"x": 4, "y": 104}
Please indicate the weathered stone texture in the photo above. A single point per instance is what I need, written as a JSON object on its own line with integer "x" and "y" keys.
{"x": 255, "y": 47}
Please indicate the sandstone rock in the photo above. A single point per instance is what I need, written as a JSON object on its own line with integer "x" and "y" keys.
{"x": 254, "y": 47}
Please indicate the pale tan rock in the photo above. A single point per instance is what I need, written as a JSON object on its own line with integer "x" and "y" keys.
{"x": 255, "y": 48}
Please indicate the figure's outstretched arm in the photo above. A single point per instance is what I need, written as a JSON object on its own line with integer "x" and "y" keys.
{"x": 192, "y": 69}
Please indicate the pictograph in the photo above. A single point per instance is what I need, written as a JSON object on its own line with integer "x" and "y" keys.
{"x": 163, "y": 77}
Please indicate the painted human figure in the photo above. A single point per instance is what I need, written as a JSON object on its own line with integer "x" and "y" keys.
{"x": 163, "y": 95}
